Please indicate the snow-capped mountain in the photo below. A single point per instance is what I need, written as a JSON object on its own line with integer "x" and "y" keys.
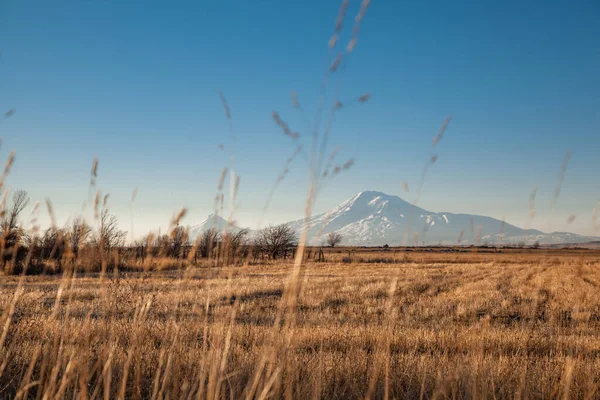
{"x": 373, "y": 219}
{"x": 213, "y": 221}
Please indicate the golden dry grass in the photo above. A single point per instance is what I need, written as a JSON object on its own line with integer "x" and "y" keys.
{"x": 366, "y": 323}
{"x": 458, "y": 325}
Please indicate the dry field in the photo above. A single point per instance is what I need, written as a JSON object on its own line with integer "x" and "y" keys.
{"x": 516, "y": 324}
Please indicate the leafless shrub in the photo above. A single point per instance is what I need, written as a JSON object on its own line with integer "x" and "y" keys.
{"x": 233, "y": 242}
{"x": 179, "y": 239}
{"x": 53, "y": 244}
{"x": 9, "y": 224}
{"x": 109, "y": 236}
{"x": 104, "y": 245}
{"x": 78, "y": 233}
{"x": 11, "y": 234}
{"x": 333, "y": 239}
{"x": 276, "y": 241}
{"x": 208, "y": 242}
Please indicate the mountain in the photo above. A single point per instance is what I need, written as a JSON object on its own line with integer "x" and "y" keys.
{"x": 213, "y": 221}
{"x": 373, "y": 219}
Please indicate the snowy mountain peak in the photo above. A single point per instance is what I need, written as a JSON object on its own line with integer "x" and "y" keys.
{"x": 372, "y": 218}
{"x": 213, "y": 221}
{"x": 376, "y": 218}
{"x": 367, "y": 202}
{"x": 374, "y": 197}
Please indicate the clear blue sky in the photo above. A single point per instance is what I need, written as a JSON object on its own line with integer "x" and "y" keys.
{"x": 136, "y": 84}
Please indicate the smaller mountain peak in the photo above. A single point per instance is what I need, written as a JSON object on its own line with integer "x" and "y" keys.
{"x": 214, "y": 217}
{"x": 370, "y": 193}
{"x": 214, "y": 221}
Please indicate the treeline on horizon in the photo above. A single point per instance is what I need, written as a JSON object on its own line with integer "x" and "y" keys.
{"x": 103, "y": 248}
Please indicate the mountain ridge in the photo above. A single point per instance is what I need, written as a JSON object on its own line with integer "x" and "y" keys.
{"x": 373, "y": 218}
{"x": 213, "y": 221}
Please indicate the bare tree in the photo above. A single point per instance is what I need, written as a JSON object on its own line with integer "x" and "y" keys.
{"x": 161, "y": 245}
{"x": 9, "y": 220}
{"x": 276, "y": 241}
{"x": 52, "y": 244}
{"x": 141, "y": 247}
{"x": 208, "y": 242}
{"x": 109, "y": 236}
{"x": 152, "y": 244}
{"x": 333, "y": 239}
{"x": 178, "y": 240}
{"x": 78, "y": 233}
{"x": 11, "y": 234}
{"x": 233, "y": 241}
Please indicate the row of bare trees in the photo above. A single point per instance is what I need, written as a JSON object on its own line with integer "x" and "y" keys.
{"x": 11, "y": 233}
{"x": 178, "y": 244}
{"x": 20, "y": 248}
{"x": 105, "y": 245}
{"x": 273, "y": 242}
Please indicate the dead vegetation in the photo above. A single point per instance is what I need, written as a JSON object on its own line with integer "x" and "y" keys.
{"x": 226, "y": 317}
{"x": 488, "y": 326}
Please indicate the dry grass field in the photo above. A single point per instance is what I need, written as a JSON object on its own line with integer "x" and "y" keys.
{"x": 91, "y": 311}
{"x": 364, "y": 324}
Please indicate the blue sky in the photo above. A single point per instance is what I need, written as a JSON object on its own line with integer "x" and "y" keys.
{"x": 136, "y": 84}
